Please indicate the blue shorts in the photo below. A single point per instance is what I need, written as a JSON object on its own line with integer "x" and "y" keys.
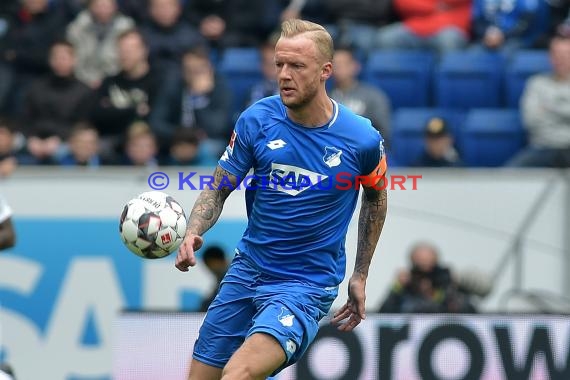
{"x": 249, "y": 302}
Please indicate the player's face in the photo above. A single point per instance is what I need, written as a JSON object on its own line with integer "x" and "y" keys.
{"x": 300, "y": 70}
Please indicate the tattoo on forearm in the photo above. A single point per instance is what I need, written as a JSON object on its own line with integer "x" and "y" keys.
{"x": 370, "y": 223}
{"x": 208, "y": 206}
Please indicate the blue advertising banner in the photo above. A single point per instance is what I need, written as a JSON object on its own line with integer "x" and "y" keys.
{"x": 66, "y": 281}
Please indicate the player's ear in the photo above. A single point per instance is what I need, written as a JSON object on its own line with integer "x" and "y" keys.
{"x": 326, "y": 71}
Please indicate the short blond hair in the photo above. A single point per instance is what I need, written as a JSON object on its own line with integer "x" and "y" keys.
{"x": 317, "y": 33}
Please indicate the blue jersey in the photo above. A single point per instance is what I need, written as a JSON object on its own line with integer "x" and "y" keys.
{"x": 306, "y": 188}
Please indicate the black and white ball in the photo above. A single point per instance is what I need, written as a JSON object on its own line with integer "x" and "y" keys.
{"x": 152, "y": 225}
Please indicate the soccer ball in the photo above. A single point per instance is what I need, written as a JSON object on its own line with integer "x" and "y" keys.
{"x": 152, "y": 225}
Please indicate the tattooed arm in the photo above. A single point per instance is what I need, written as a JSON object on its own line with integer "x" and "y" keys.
{"x": 206, "y": 211}
{"x": 371, "y": 220}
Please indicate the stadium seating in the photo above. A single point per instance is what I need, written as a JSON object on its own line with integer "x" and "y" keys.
{"x": 469, "y": 79}
{"x": 408, "y": 127}
{"x": 490, "y": 137}
{"x": 241, "y": 67}
{"x": 405, "y": 76}
{"x": 523, "y": 64}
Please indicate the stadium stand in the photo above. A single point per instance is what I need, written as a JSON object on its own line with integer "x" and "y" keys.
{"x": 405, "y": 76}
{"x": 241, "y": 68}
{"x": 469, "y": 79}
{"x": 490, "y": 137}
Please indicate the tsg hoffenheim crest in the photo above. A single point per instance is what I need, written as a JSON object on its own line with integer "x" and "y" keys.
{"x": 332, "y": 156}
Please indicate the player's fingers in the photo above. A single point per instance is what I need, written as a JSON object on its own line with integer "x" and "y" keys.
{"x": 341, "y": 310}
{"x": 182, "y": 258}
{"x": 361, "y": 310}
{"x": 341, "y": 314}
{"x": 180, "y": 264}
{"x": 198, "y": 242}
{"x": 352, "y": 322}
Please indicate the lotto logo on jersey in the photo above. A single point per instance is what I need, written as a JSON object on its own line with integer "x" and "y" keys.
{"x": 292, "y": 179}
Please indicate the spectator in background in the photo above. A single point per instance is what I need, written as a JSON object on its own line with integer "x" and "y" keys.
{"x": 361, "y": 98}
{"x": 439, "y": 25}
{"x": 8, "y": 148}
{"x": 268, "y": 85}
{"x": 167, "y": 35}
{"x": 83, "y": 147}
{"x": 126, "y": 97}
{"x": 357, "y": 21}
{"x": 43, "y": 146}
{"x": 426, "y": 287}
{"x": 186, "y": 150}
{"x": 545, "y": 108}
{"x": 311, "y": 10}
{"x": 141, "y": 146}
{"x": 505, "y": 25}
{"x": 202, "y": 101}
{"x": 229, "y": 23}
{"x": 439, "y": 150}
{"x": 58, "y": 99}
{"x": 25, "y": 47}
{"x": 215, "y": 259}
{"x": 94, "y": 34}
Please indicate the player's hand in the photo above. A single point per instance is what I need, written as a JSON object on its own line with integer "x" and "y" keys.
{"x": 185, "y": 257}
{"x": 353, "y": 311}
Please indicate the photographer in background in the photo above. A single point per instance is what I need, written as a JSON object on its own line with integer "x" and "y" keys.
{"x": 426, "y": 287}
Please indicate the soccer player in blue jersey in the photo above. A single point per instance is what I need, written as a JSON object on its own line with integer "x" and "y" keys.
{"x": 310, "y": 157}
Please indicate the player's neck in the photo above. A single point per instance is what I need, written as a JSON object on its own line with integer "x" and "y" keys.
{"x": 315, "y": 114}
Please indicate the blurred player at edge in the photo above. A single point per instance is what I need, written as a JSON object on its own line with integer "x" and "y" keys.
{"x": 7, "y": 233}
{"x": 291, "y": 258}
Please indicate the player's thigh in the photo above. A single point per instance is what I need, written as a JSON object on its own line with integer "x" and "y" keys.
{"x": 258, "y": 357}
{"x": 228, "y": 319}
{"x": 201, "y": 371}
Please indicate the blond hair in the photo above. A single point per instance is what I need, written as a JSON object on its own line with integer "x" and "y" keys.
{"x": 317, "y": 33}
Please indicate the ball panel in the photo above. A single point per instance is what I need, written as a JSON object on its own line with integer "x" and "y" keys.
{"x": 130, "y": 231}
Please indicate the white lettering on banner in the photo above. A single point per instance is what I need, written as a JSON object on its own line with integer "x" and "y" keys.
{"x": 59, "y": 353}
{"x": 91, "y": 285}
{"x": 19, "y": 274}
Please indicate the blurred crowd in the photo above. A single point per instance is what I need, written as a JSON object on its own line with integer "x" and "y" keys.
{"x": 136, "y": 82}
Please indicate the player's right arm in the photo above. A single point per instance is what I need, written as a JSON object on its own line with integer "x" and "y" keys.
{"x": 234, "y": 163}
{"x": 204, "y": 215}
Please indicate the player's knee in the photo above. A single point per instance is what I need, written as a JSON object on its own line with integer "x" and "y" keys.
{"x": 239, "y": 371}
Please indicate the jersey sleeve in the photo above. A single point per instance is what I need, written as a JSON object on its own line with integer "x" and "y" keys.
{"x": 373, "y": 160}
{"x": 238, "y": 156}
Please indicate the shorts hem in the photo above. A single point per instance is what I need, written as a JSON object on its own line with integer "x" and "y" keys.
{"x": 275, "y": 335}
{"x": 207, "y": 361}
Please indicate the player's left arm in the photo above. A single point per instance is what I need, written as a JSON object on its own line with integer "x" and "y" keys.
{"x": 373, "y": 209}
